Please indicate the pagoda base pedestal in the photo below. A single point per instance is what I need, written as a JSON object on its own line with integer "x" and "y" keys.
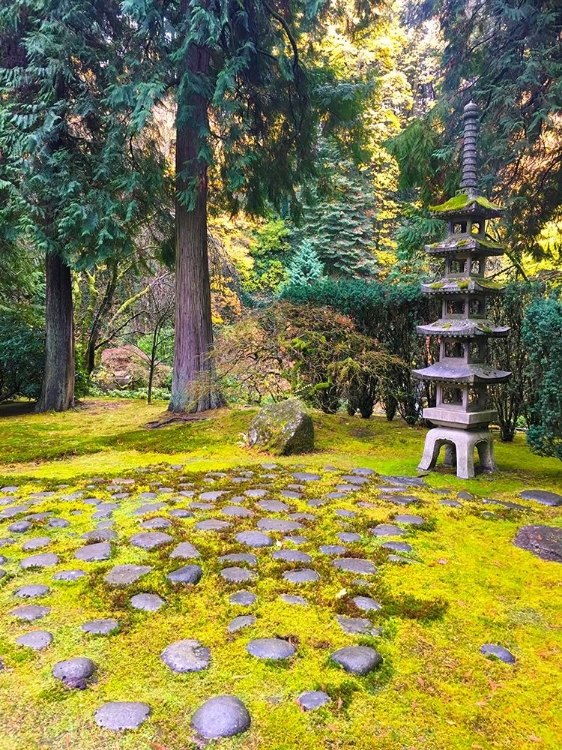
{"x": 459, "y": 450}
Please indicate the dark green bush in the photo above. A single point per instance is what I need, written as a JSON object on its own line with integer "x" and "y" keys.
{"x": 22, "y": 356}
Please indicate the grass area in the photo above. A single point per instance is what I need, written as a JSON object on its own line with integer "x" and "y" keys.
{"x": 467, "y": 585}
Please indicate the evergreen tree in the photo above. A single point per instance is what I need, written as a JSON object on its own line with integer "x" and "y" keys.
{"x": 305, "y": 266}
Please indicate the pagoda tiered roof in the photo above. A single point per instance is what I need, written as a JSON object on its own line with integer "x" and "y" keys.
{"x": 465, "y": 243}
{"x": 447, "y": 372}
{"x": 463, "y": 285}
{"x": 466, "y": 205}
{"x": 463, "y": 328}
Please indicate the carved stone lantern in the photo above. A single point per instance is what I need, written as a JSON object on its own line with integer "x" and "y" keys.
{"x": 462, "y": 411}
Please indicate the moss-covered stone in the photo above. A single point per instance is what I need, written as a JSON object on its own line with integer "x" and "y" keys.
{"x": 283, "y": 429}
{"x": 464, "y": 201}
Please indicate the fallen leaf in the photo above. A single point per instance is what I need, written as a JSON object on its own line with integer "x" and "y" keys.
{"x": 340, "y": 703}
{"x": 420, "y": 681}
{"x": 534, "y": 738}
{"x": 442, "y": 561}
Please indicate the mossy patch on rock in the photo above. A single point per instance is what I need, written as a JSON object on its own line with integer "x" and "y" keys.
{"x": 283, "y": 429}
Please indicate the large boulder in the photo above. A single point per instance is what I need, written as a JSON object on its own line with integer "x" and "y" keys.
{"x": 283, "y": 428}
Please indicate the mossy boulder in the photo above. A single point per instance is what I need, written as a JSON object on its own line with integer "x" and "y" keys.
{"x": 283, "y": 428}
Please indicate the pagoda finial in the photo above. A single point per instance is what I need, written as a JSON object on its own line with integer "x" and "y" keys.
{"x": 469, "y": 182}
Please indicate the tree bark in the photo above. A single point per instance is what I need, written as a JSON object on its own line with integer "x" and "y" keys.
{"x": 57, "y": 392}
{"x": 193, "y": 388}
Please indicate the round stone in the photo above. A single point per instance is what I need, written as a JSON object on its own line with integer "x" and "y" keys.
{"x": 19, "y": 527}
{"x": 100, "y": 535}
{"x": 185, "y": 551}
{"x": 245, "y": 598}
{"x": 292, "y": 599}
{"x": 223, "y": 716}
{"x": 497, "y": 652}
{"x": 254, "y": 539}
{"x": 295, "y": 539}
{"x": 363, "y": 472}
{"x": 149, "y": 508}
{"x": 348, "y": 537}
{"x": 316, "y": 502}
{"x": 36, "y": 640}
{"x": 273, "y": 506}
{"x": 305, "y": 575}
{"x": 407, "y": 518}
{"x": 181, "y": 513}
{"x": 357, "y": 659}
{"x": 69, "y": 575}
{"x": 387, "y": 529}
{"x": 212, "y": 525}
{"x": 343, "y": 513}
{"x": 74, "y": 672}
{"x": 237, "y": 575}
{"x": 37, "y": 543}
{"x": 31, "y": 591}
{"x": 274, "y": 524}
{"x": 242, "y": 621}
{"x": 156, "y": 523}
{"x": 186, "y": 656}
{"x": 543, "y": 541}
{"x": 236, "y": 511}
{"x": 190, "y": 574}
{"x": 305, "y": 476}
{"x": 451, "y": 503}
{"x": 58, "y": 523}
{"x": 120, "y": 715}
{"x": 239, "y": 557}
{"x": 398, "y": 546}
{"x": 313, "y": 699}
{"x": 543, "y": 497}
{"x": 30, "y": 612}
{"x": 94, "y": 552}
{"x": 366, "y": 603}
{"x": 355, "y": 565}
{"x": 357, "y": 625}
{"x": 100, "y": 627}
{"x": 150, "y": 539}
{"x": 332, "y": 549}
{"x": 202, "y": 506}
{"x": 291, "y": 556}
{"x": 291, "y": 494}
{"x": 147, "y": 602}
{"x": 125, "y": 575}
{"x": 270, "y": 648}
{"x": 258, "y": 492}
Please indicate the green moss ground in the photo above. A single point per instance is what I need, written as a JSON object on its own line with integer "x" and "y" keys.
{"x": 434, "y": 691}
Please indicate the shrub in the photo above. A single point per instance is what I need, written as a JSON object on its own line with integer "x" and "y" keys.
{"x": 22, "y": 356}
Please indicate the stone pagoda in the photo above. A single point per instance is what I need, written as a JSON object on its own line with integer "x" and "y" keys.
{"x": 462, "y": 412}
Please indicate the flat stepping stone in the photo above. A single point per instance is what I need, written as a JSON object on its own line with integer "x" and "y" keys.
{"x": 543, "y": 497}
{"x": 258, "y": 492}
{"x": 451, "y": 503}
{"x": 401, "y": 499}
{"x": 125, "y": 575}
{"x": 69, "y": 575}
{"x": 186, "y": 656}
{"x": 150, "y": 508}
{"x": 292, "y": 599}
{"x": 100, "y": 535}
{"x": 181, "y": 513}
{"x": 348, "y": 536}
{"x": 357, "y": 625}
{"x": 363, "y": 472}
{"x": 407, "y": 518}
{"x": 147, "y": 602}
{"x": 397, "y": 546}
{"x": 498, "y": 652}
{"x": 120, "y": 715}
{"x": 343, "y": 513}
{"x": 190, "y": 574}
{"x": 332, "y": 549}
{"x": 245, "y": 598}
{"x": 185, "y": 551}
{"x": 156, "y": 523}
{"x": 36, "y": 640}
{"x": 357, "y": 659}
{"x": 202, "y": 506}
{"x": 30, "y": 612}
{"x": 37, "y": 543}
{"x": 13, "y": 511}
{"x": 295, "y": 539}
{"x": 212, "y": 525}
{"x": 274, "y": 649}
{"x": 239, "y": 557}
{"x": 335, "y": 495}
{"x": 313, "y": 699}
{"x": 366, "y": 603}
{"x": 405, "y": 481}
{"x": 20, "y": 527}
{"x": 272, "y": 506}
{"x": 351, "y": 479}
{"x": 31, "y": 591}
{"x": 223, "y": 716}
{"x": 291, "y": 556}
{"x": 44, "y": 560}
{"x": 237, "y": 575}
{"x": 100, "y": 627}
{"x": 543, "y": 541}
{"x": 387, "y": 529}
{"x": 355, "y": 565}
{"x": 305, "y": 575}
{"x": 254, "y": 539}
{"x": 316, "y": 502}
{"x": 74, "y": 672}
{"x": 150, "y": 539}
{"x": 242, "y": 621}
{"x": 291, "y": 494}
{"x": 345, "y": 488}
{"x": 302, "y": 516}
{"x": 306, "y": 476}
{"x": 236, "y": 511}
{"x": 94, "y": 552}
{"x": 274, "y": 524}
{"x": 210, "y": 497}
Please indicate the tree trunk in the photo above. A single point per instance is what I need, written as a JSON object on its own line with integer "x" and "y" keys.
{"x": 152, "y": 362}
{"x": 192, "y": 382}
{"x": 57, "y": 392}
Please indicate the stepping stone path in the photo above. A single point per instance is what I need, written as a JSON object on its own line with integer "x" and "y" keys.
{"x": 186, "y": 656}
{"x": 125, "y": 575}
{"x": 237, "y": 575}
{"x": 274, "y": 649}
{"x": 94, "y": 552}
{"x": 121, "y": 715}
{"x": 100, "y": 627}
{"x": 30, "y": 612}
{"x": 543, "y": 497}
{"x": 147, "y": 602}
{"x": 74, "y": 672}
{"x": 254, "y": 539}
{"x": 37, "y": 639}
{"x": 355, "y": 565}
{"x": 45, "y": 560}
{"x": 357, "y": 659}
{"x": 150, "y": 539}
{"x": 185, "y": 551}
{"x": 313, "y": 699}
{"x": 222, "y": 716}
{"x": 305, "y": 575}
{"x": 498, "y": 652}
{"x": 543, "y": 541}
{"x": 245, "y": 598}
{"x": 242, "y": 621}
{"x": 31, "y": 591}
